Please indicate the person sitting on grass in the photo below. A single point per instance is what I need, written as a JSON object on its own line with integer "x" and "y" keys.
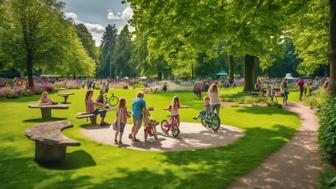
{"x": 174, "y": 109}
{"x": 91, "y": 109}
{"x": 45, "y": 99}
{"x": 122, "y": 115}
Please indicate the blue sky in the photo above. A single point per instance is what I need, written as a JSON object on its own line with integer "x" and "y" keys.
{"x": 96, "y": 14}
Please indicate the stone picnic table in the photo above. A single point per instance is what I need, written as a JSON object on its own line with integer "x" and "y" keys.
{"x": 46, "y": 109}
{"x": 50, "y": 143}
{"x": 92, "y": 117}
{"x": 65, "y": 96}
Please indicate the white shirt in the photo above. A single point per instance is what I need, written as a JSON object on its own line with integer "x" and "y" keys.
{"x": 214, "y": 98}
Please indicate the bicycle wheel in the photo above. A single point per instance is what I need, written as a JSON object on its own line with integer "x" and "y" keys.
{"x": 175, "y": 130}
{"x": 145, "y": 134}
{"x": 164, "y": 126}
{"x": 154, "y": 133}
{"x": 204, "y": 123}
{"x": 215, "y": 122}
{"x": 113, "y": 100}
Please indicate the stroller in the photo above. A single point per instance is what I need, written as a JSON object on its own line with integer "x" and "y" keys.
{"x": 150, "y": 125}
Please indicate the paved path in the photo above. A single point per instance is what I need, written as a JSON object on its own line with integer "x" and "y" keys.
{"x": 192, "y": 136}
{"x": 296, "y": 165}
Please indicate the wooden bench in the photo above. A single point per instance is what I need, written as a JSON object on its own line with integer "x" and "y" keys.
{"x": 92, "y": 117}
{"x": 50, "y": 143}
{"x": 65, "y": 96}
{"x": 46, "y": 109}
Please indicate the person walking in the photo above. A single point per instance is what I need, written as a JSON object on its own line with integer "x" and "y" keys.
{"x": 301, "y": 88}
{"x": 285, "y": 90}
{"x": 138, "y": 106}
{"x": 214, "y": 98}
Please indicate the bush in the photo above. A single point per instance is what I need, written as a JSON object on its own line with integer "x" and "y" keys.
{"x": 8, "y": 92}
{"x": 327, "y": 130}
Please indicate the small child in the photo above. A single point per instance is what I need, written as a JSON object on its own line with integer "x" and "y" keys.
{"x": 122, "y": 115}
{"x": 45, "y": 100}
{"x": 174, "y": 109}
{"x": 206, "y": 110}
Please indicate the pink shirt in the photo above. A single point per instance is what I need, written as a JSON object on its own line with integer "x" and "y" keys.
{"x": 45, "y": 100}
{"x": 122, "y": 115}
{"x": 89, "y": 106}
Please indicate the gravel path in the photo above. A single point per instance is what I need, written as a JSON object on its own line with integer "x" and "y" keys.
{"x": 296, "y": 165}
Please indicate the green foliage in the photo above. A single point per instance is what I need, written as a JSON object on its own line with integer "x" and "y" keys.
{"x": 327, "y": 130}
{"x": 307, "y": 25}
{"x": 105, "y": 67}
{"x": 38, "y": 38}
{"x": 122, "y": 57}
{"x": 87, "y": 41}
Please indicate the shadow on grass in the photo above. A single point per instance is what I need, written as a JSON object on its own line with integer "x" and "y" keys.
{"x": 75, "y": 160}
{"x": 39, "y": 120}
{"x": 204, "y": 168}
{"x": 264, "y": 110}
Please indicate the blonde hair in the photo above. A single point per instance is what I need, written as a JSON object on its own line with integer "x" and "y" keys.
{"x": 213, "y": 88}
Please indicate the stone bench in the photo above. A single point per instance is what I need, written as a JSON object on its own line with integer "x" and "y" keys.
{"x": 65, "y": 96}
{"x": 46, "y": 109}
{"x": 50, "y": 143}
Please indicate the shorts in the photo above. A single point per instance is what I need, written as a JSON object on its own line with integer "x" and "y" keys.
{"x": 122, "y": 127}
{"x": 137, "y": 122}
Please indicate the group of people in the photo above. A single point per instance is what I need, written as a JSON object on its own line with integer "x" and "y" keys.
{"x": 140, "y": 111}
{"x": 305, "y": 88}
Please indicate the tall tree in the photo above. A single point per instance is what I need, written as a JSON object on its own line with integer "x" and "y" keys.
{"x": 122, "y": 55}
{"x": 231, "y": 69}
{"x": 87, "y": 41}
{"x": 105, "y": 66}
{"x": 35, "y": 35}
{"x": 332, "y": 47}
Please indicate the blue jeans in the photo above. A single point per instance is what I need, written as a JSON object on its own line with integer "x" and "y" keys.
{"x": 102, "y": 113}
{"x": 285, "y": 96}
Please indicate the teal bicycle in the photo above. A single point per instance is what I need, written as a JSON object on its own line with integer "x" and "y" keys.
{"x": 209, "y": 120}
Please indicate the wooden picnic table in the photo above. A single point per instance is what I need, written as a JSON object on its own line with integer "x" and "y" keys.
{"x": 46, "y": 109}
{"x": 65, "y": 96}
{"x": 50, "y": 143}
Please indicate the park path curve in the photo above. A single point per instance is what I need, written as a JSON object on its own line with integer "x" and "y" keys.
{"x": 192, "y": 136}
{"x": 296, "y": 165}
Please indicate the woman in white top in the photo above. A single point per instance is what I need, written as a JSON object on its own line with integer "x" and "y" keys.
{"x": 214, "y": 98}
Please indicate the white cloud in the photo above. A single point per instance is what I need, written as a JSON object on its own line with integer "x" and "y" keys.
{"x": 112, "y": 16}
{"x": 71, "y": 15}
{"x": 126, "y": 14}
{"x": 96, "y": 30}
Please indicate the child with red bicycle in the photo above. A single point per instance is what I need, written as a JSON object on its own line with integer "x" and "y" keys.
{"x": 174, "y": 109}
{"x": 174, "y": 121}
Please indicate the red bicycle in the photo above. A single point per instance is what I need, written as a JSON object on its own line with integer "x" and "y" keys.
{"x": 171, "y": 125}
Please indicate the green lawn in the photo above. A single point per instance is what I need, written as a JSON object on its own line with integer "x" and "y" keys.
{"x": 94, "y": 165}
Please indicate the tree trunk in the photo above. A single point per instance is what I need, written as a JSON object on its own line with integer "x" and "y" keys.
{"x": 249, "y": 73}
{"x": 192, "y": 71}
{"x": 231, "y": 71}
{"x": 332, "y": 47}
{"x": 159, "y": 75}
{"x": 29, "y": 65}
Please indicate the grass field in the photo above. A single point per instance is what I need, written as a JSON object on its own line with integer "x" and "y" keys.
{"x": 94, "y": 165}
